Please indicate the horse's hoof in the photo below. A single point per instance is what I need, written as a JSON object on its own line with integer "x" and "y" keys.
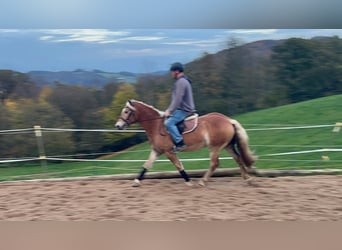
{"x": 136, "y": 183}
{"x": 201, "y": 183}
{"x": 249, "y": 180}
{"x": 189, "y": 183}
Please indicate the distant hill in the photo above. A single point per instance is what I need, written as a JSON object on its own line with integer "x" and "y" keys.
{"x": 95, "y": 78}
{"x": 256, "y": 75}
{"x": 98, "y": 78}
{"x": 256, "y": 51}
{"x": 250, "y": 54}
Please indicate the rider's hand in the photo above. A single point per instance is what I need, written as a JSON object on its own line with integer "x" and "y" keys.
{"x": 167, "y": 113}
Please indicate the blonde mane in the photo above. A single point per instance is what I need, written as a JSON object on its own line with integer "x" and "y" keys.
{"x": 161, "y": 113}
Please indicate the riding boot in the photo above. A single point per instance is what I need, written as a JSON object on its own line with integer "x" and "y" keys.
{"x": 180, "y": 146}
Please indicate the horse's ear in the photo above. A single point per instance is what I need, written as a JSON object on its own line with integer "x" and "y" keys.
{"x": 130, "y": 102}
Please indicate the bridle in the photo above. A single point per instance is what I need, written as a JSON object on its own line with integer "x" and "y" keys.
{"x": 132, "y": 113}
{"x": 126, "y": 120}
{"x": 131, "y": 109}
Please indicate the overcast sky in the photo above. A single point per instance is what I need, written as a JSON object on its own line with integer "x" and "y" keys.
{"x": 134, "y": 50}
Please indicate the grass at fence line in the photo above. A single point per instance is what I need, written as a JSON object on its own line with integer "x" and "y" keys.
{"x": 265, "y": 142}
{"x": 314, "y": 112}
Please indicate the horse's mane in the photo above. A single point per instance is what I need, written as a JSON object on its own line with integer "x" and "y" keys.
{"x": 160, "y": 113}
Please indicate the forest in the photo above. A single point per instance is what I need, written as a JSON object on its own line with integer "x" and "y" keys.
{"x": 239, "y": 79}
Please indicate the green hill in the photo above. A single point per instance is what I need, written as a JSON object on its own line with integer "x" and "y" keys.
{"x": 322, "y": 111}
{"x": 265, "y": 139}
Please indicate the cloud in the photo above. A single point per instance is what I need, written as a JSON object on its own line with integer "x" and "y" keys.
{"x": 140, "y": 51}
{"x": 142, "y": 38}
{"x": 45, "y": 38}
{"x": 135, "y": 38}
{"x": 9, "y": 30}
{"x": 254, "y": 31}
{"x": 81, "y": 35}
{"x": 198, "y": 43}
{"x": 93, "y": 36}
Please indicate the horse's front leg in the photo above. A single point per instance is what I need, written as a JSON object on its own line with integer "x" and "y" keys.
{"x": 174, "y": 159}
{"x": 148, "y": 164}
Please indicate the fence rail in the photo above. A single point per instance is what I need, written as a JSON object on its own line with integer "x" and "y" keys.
{"x": 42, "y": 157}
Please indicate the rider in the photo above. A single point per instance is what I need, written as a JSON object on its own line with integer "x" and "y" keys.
{"x": 182, "y": 105}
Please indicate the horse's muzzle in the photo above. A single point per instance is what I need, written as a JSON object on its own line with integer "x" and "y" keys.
{"x": 120, "y": 125}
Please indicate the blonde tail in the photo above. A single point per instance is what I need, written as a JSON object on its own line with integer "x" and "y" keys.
{"x": 247, "y": 155}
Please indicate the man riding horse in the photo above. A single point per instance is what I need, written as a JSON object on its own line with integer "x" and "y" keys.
{"x": 214, "y": 130}
{"x": 182, "y": 105}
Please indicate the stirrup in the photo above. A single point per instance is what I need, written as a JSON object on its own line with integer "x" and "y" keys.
{"x": 180, "y": 148}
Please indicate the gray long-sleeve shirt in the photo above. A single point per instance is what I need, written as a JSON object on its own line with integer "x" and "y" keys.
{"x": 182, "y": 97}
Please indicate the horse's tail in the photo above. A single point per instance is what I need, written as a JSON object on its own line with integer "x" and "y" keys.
{"x": 247, "y": 155}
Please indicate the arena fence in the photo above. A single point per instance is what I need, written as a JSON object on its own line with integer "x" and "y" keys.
{"x": 43, "y": 158}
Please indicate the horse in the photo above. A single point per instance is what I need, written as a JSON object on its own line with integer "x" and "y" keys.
{"x": 214, "y": 130}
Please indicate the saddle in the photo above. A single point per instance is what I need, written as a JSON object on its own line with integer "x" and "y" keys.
{"x": 188, "y": 125}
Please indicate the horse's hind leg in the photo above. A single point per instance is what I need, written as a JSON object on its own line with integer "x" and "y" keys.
{"x": 236, "y": 156}
{"x": 214, "y": 163}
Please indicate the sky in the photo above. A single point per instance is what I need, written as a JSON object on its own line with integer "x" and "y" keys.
{"x": 147, "y": 36}
{"x": 170, "y": 14}
{"x": 133, "y": 50}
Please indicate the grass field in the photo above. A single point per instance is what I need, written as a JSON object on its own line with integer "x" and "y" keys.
{"x": 322, "y": 111}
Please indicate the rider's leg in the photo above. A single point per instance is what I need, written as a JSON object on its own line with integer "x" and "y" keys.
{"x": 171, "y": 126}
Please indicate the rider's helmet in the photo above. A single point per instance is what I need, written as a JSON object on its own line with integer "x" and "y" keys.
{"x": 177, "y": 66}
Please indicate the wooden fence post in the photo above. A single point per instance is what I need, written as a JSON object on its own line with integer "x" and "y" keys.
{"x": 41, "y": 148}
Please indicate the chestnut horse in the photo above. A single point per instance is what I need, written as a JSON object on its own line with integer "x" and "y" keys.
{"x": 215, "y": 131}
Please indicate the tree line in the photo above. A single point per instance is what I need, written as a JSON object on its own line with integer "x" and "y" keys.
{"x": 259, "y": 75}
{"x": 242, "y": 78}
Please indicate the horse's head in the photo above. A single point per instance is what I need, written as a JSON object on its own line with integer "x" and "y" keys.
{"x": 127, "y": 116}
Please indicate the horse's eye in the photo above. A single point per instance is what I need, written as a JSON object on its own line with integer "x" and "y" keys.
{"x": 126, "y": 112}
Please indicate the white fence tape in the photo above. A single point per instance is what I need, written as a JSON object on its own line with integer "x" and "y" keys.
{"x": 20, "y": 160}
{"x": 201, "y": 159}
{"x": 142, "y": 131}
{"x": 92, "y": 130}
{"x": 307, "y": 151}
{"x": 182, "y": 159}
{"x": 27, "y": 130}
{"x": 293, "y": 127}
{"x": 165, "y": 160}
{"x": 16, "y": 131}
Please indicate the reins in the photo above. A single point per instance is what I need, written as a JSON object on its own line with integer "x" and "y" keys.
{"x": 152, "y": 119}
{"x": 161, "y": 132}
{"x": 132, "y": 112}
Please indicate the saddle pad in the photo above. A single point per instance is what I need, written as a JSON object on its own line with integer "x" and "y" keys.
{"x": 189, "y": 124}
{"x": 191, "y": 117}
